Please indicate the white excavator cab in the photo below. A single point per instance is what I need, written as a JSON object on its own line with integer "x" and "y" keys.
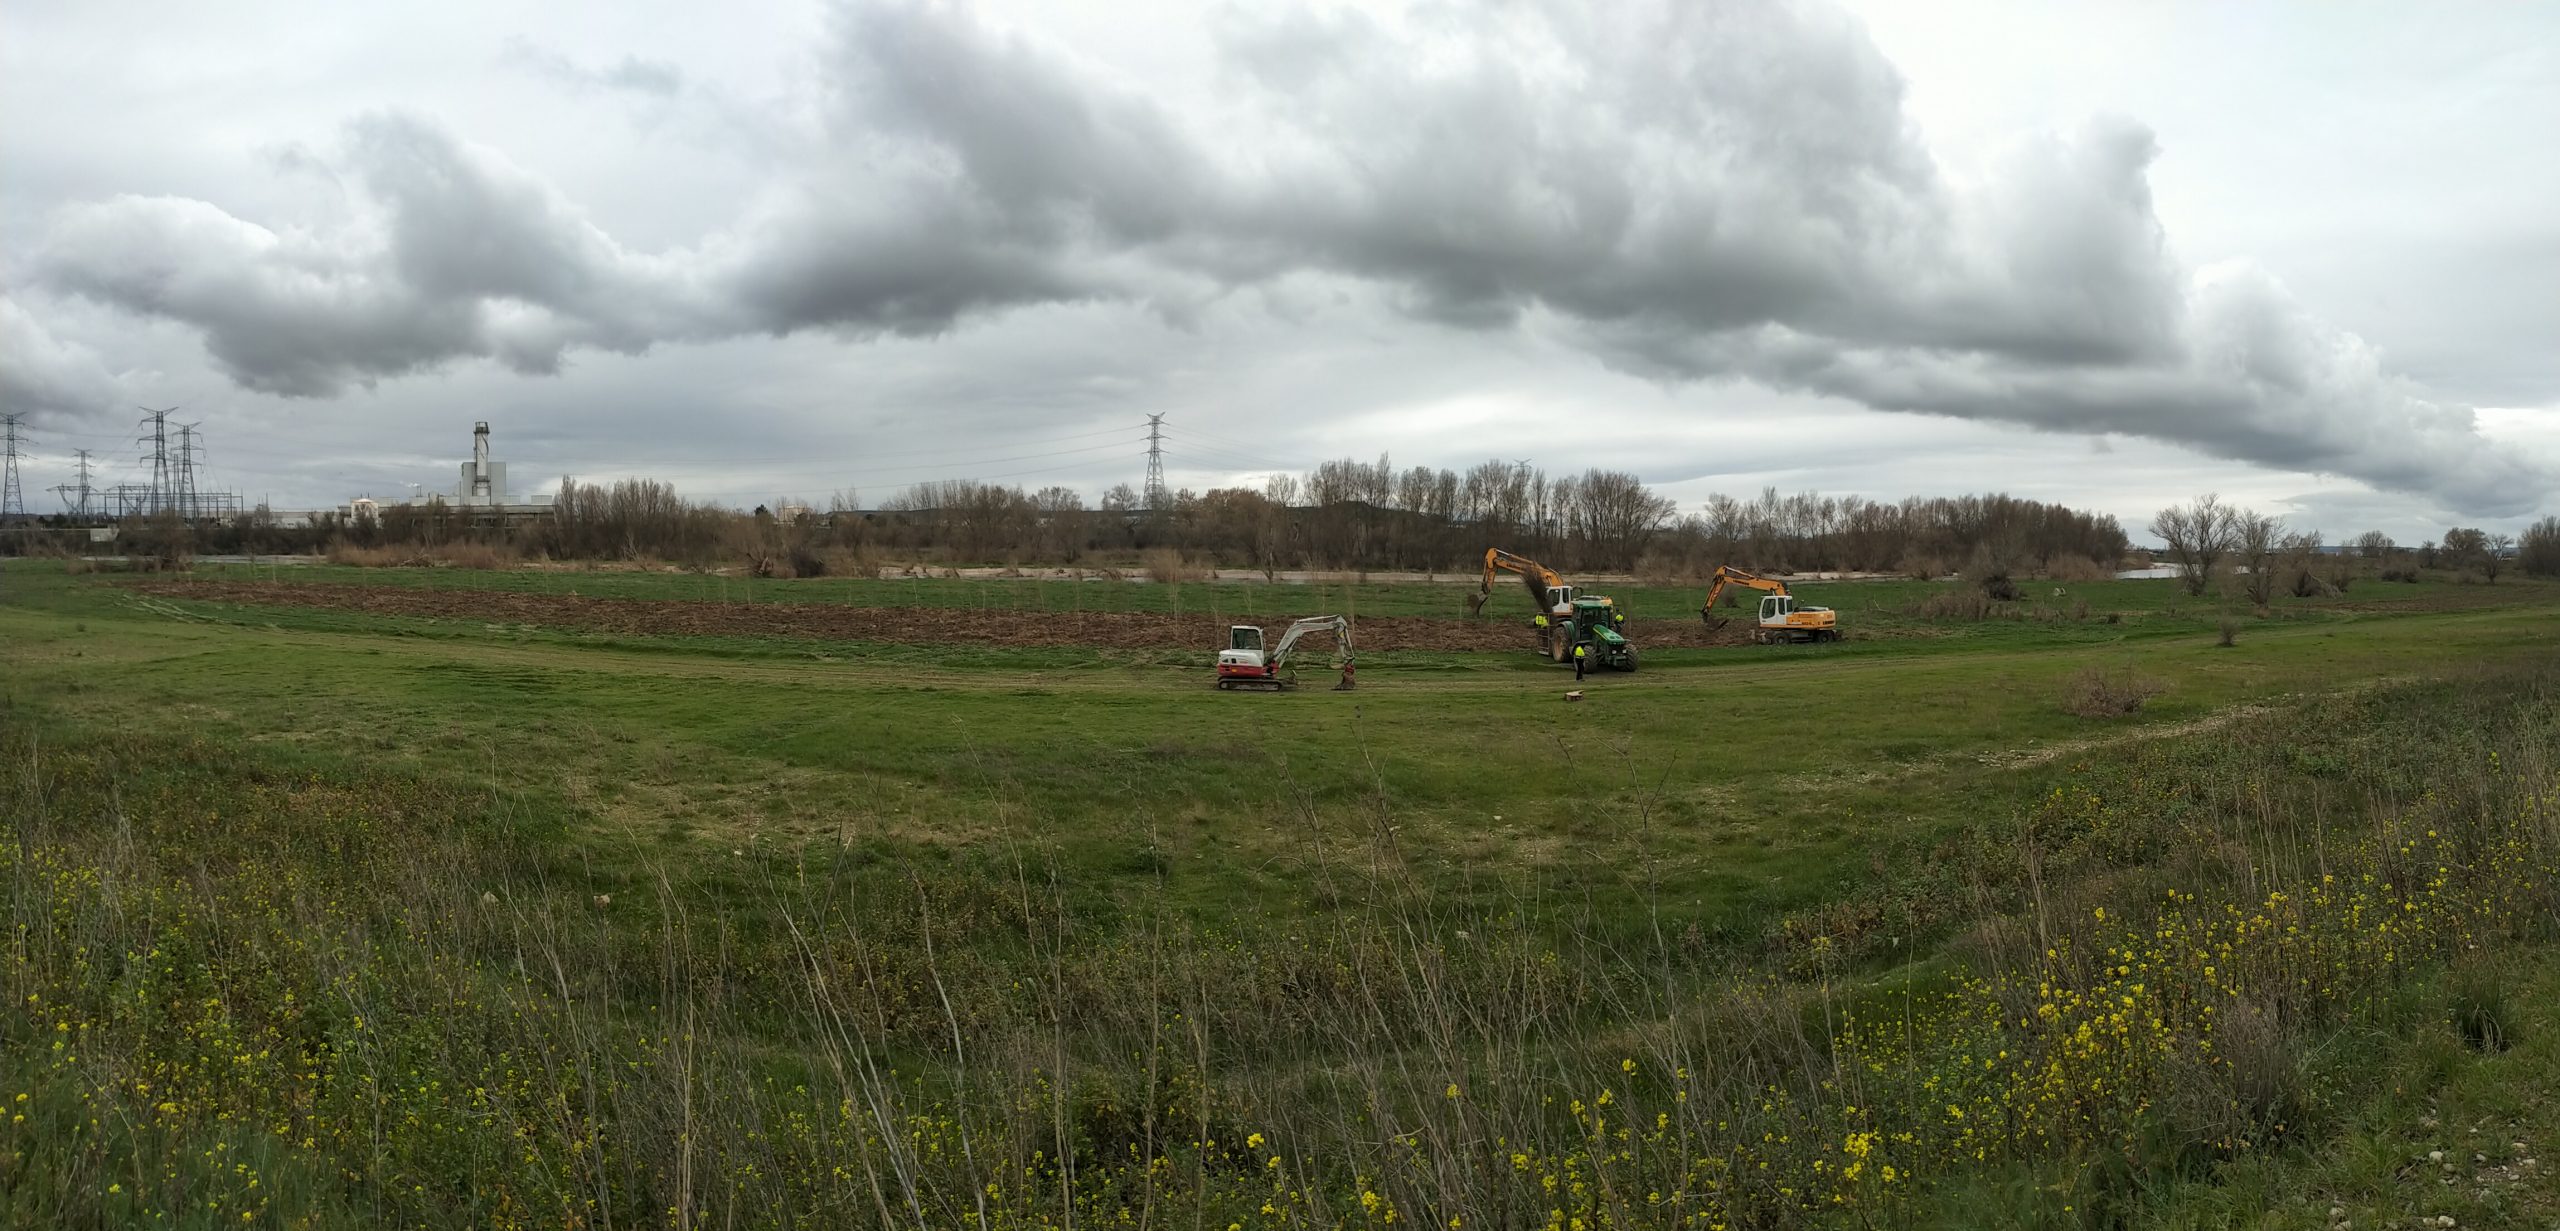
{"x": 1775, "y": 608}
{"x": 1244, "y": 649}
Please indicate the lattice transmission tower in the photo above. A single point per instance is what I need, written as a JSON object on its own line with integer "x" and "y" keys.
{"x": 1155, "y": 499}
{"x": 75, "y": 496}
{"x": 163, "y": 483}
{"x": 12, "y": 502}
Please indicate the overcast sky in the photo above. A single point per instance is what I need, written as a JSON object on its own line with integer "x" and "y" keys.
{"x": 2307, "y": 256}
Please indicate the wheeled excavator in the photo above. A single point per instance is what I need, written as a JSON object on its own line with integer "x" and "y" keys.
{"x": 1782, "y": 618}
{"x": 1567, "y": 618}
{"x": 1244, "y": 664}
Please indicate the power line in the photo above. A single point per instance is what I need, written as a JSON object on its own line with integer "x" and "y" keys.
{"x": 940, "y": 471}
{"x": 968, "y": 478}
{"x": 1189, "y": 443}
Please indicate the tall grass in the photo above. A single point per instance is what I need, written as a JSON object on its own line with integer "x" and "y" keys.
{"x": 313, "y": 1000}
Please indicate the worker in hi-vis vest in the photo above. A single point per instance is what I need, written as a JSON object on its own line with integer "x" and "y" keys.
{"x": 1579, "y": 653}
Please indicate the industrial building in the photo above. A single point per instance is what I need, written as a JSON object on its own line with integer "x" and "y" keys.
{"x": 480, "y": 491}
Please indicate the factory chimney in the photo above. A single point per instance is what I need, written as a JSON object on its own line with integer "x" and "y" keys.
{"x": 480, "y": 463}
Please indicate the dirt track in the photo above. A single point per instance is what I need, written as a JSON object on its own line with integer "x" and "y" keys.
{"x": 898, "y": 625}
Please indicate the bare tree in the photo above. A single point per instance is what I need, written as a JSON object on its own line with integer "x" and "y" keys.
{"x": 2198, "y": 534}
{"x": 2463, "y": 547}
{"x": 2257, "y": 537}
{"x": 2493, "y": 555}
{"x": 2374, "y": 546}
{"x": 2302, "y": 556}
{"x": 2539, "y": 551}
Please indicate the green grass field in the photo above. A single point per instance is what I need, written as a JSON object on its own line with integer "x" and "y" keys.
{"x": 1131, "y": 908}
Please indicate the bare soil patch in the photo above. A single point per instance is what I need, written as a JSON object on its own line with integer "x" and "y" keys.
{"x": 892, "y": 625}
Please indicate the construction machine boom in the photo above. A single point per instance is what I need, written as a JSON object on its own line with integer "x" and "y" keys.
{"x": 1781, "y": 617}
{"x": 1547, "y": 591}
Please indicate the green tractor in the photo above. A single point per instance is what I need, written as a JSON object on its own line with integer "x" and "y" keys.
{"x": 1594, "y": 621}
{"x": 1565, "y": 618}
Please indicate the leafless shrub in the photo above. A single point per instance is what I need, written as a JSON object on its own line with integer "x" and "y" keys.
{"x": 2072, "y": 566}
{"x": 2094, "y": 693}
{"x": 1165, "y": 566}
{"x": 350, "y": 555}
{"x": 847, "y": 562}
{"x": 1958, "y": 604}
{"x": 474, "y": 555}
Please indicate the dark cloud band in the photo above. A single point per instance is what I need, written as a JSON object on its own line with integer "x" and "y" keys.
{"x": 1687, "y": 191}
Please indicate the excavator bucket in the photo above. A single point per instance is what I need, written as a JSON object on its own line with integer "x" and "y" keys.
{"x": 1475, "y": 601}
{"x": 1713, "y": 623}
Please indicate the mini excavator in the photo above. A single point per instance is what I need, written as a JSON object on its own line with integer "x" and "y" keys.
{"x": 1245, "y": 665}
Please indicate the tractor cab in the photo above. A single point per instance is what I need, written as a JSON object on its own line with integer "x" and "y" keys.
{"x": 1595, "y": 622}
{"x": 1592, "y": 616}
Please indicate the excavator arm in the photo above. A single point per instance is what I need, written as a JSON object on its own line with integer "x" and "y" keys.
{"x": 1340, "y": 627}
{"x": 1726, "y": 575}
{"x": 1541, "y": 580}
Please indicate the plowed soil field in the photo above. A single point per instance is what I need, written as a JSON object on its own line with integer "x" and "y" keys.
{"x": 895, "y": 625}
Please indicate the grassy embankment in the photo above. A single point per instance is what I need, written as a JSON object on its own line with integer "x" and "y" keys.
{"x": 422, "y": 918}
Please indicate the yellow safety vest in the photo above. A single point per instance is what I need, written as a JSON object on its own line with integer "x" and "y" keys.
{"x": 1580, "y": 650}
{"x": 1542, "y": 621}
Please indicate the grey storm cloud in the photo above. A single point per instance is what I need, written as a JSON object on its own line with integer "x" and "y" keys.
{"x": 44, "y": 376}
{"x": 1690, "y": 192}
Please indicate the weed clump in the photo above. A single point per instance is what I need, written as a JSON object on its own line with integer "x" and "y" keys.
{"x": 2095, "y": 694}
{"x": 2230, "y": 632}
{"x": 2478, "y": 1007}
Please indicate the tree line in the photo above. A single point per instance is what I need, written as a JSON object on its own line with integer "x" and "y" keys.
{"x": 2206, "y": 538}
{"x": 1349, "y": 514}
{"x": 1342, "y": 514}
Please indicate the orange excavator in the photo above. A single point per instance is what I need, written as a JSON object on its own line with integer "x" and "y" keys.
{"x": 1547, "y": 592}
{"x": 1782, "y": 618}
